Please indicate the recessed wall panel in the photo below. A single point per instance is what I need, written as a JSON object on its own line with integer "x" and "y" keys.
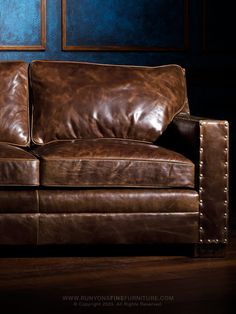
{"x": 22, "y": 25}
{"x": 125, "y": 25}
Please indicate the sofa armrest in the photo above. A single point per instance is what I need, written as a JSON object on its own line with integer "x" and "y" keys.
{"x": 205, "y": 142}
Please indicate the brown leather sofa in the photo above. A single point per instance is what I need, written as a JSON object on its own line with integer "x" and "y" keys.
{"x": 107, "y": 154}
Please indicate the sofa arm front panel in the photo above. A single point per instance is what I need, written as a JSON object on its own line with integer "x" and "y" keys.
{"x": 213, "y": 181}
{"x": 205, "y": 142}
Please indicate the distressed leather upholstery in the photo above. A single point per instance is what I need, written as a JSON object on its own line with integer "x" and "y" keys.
{"x": 118, "y": 201}
{"x": 80, "y": 100}
{"x": 18, "y": 201}
{"x": 18, "y": 229}
{"x": 114, "y": 163}
{"x": 115, "y": 158}
{"x": 14, "y": 106}
{"x": 118, "y": 228}
{"x": 18, "y": 167}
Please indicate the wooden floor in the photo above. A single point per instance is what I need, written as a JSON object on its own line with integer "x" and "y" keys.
{"x": 101, "y": 280}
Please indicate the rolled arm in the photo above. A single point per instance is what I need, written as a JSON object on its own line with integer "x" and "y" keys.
{"x": 206, "y": 143}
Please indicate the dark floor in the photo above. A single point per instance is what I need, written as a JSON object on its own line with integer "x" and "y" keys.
{"x": 101, "y": 280}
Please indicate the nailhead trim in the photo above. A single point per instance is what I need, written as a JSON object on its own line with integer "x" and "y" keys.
{"x": 212, "y": 240}
{"x": 225, "y": 229}
{"x": 200, "y": 182}
{"x": 226, "y": 183}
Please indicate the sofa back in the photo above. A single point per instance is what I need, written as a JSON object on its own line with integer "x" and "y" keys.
{"x": 14, "y": 103}
{"x": 73, "y": 100}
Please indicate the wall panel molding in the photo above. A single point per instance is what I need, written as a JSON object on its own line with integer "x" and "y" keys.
{"x": 126, "y": 47}
{"x": 41, "y": 45}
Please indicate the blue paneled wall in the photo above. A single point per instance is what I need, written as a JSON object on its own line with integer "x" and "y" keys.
{"x": 95, "y": 22}
{"x": 109, "y": 22}
{"x": 19, "y": 22}
{"x": 156, "y": 23}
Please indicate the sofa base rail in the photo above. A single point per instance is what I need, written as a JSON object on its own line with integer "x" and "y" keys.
{"x": 152, "y": 230}
{"x": 192, "y": 250}
{"x": 99, "y": 228}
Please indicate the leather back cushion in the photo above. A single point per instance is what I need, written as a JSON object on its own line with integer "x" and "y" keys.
{"x": 14, "y": 107}
{"x": 74, "y": 100}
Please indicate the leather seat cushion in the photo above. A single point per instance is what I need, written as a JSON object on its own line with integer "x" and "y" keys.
{"x": 113, "y": 163}
{"x": 18, "y": 167}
